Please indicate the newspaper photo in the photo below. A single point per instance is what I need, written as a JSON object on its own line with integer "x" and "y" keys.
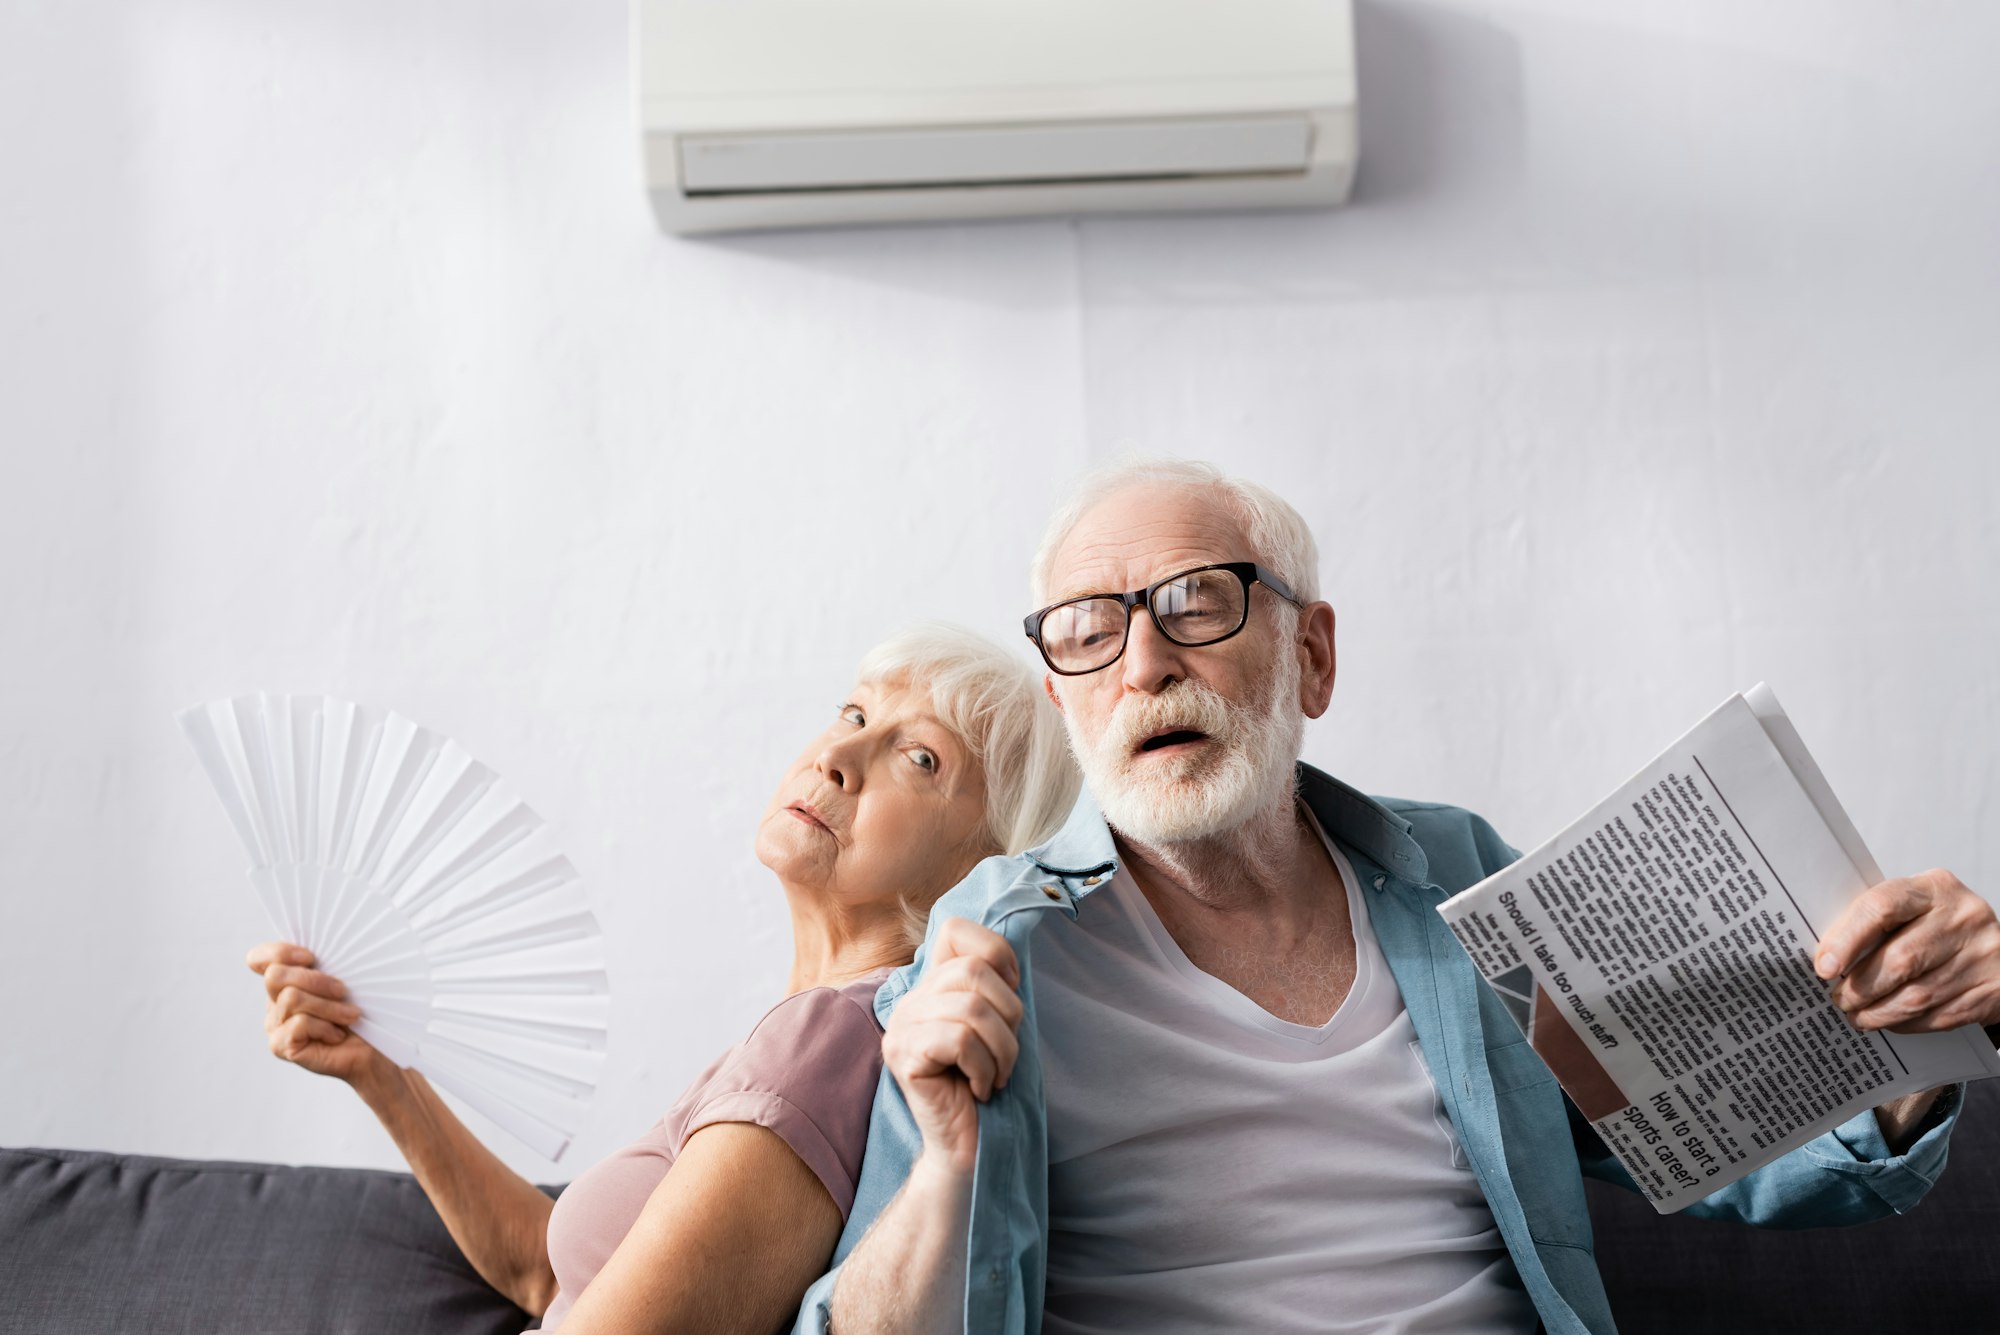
{"x": 1658, "y": 954}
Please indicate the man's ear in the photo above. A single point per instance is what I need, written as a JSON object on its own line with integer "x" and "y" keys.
{"x": 1049, "y": 689}
{"x": 1317, "y": 659}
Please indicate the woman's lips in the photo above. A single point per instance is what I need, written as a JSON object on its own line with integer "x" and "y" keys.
{"x": 807, "y": 813}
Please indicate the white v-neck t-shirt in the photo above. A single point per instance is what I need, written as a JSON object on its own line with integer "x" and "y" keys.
{"x": 1213, "y": 1167}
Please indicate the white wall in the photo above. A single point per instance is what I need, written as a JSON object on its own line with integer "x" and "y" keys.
{"x": 1656, "y": 356}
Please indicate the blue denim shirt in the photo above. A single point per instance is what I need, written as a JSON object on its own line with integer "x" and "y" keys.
{"x": 1527, "y": 1146}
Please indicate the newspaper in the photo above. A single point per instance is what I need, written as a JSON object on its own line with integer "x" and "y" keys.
{"x": 1658, "y": 954}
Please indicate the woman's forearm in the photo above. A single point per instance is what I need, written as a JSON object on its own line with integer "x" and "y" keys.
{"x": 499, "y": 1219}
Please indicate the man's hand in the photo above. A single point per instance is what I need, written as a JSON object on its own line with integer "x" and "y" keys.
{"x": 1915, "y": 955}
{"x": 951, "y": 1041}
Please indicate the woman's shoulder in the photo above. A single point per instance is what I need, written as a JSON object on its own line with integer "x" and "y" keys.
{"x": 818, "y": 1049}
{"x": 833, "y": 1013}
{"x": 808, "y": 1071}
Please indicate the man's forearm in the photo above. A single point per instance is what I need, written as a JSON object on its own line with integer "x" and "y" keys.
{"x": 907, "y": 1276}
{"x": 499, "y": 1219}
{"x": 1900, "y": 1118}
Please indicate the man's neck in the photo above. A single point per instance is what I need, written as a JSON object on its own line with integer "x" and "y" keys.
{"x": 1262, "y": 908}
{"x": 1266, "y": 866}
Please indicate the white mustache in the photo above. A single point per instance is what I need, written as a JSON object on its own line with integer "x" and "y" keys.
{"x": 1217, "y": 788}
{"x": 1192, "y": 705}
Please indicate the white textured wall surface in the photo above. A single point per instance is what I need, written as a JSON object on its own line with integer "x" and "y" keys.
{"x": 1659, "y": 353}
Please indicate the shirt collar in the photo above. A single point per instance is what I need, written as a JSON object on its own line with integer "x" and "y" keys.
{"x": 1083, "y": 846}
{"x": 1364, "y": 825}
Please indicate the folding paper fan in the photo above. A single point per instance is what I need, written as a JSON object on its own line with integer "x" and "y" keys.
{"x": 423, "y": 882}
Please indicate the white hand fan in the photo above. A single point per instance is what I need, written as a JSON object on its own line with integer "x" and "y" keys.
{"x": 419, "y": 879}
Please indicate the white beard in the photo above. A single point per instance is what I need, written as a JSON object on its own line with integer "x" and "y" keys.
{"x": 1247, "y": 766}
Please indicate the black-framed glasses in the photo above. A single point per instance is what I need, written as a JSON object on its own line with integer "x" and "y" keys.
{"x": 1205, "y": 605}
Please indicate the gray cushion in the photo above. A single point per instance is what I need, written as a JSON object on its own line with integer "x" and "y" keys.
{"x": 1936, "y": 1268}
{"x": 97, "y": 1244}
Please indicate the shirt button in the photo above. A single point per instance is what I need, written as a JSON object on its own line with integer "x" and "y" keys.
{"x": 1051, "y": 892}
{"x": 1379, "y": 880}
{"x": 1092, "y": 880}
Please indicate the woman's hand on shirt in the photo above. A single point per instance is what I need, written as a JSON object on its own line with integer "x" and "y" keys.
{"x": 308, "y": 1015}
{"x": 951, "y": 1041}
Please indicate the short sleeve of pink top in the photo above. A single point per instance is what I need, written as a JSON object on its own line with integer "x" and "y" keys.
{"x": 807, "y": 1071}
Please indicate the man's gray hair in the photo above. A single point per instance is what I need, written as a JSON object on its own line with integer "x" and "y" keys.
{"x": 992, "y": 701}
{"x": 1278, "y": 535}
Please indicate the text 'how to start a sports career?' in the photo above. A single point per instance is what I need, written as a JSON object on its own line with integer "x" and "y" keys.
{"x": 1658, "y": 954}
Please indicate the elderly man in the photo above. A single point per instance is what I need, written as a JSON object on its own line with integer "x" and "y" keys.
{"x": 1210, "y": 1060}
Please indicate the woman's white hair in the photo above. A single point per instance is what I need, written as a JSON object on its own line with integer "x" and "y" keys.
{"x": 1278, "y": 536}
{"x": 992, "y": 701}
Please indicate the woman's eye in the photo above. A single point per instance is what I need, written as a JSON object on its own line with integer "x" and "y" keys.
{"x": 924, "y": 760}
{"x": 853, "y": 714}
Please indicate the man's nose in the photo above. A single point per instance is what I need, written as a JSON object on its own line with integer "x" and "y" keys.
{"x": 1152, "y": 662}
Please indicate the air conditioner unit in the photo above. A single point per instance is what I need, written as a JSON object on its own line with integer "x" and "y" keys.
{"x": 789, "y": 113}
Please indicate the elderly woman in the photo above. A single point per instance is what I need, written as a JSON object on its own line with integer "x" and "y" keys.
{"x": 720, "y": 1216}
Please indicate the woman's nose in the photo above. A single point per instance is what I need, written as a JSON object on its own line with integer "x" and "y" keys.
{"x": 840, "y": 765}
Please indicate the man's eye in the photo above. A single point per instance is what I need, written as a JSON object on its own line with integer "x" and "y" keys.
{"x": 923, "y": 760}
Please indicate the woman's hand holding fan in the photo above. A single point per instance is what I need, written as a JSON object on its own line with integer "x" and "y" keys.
{"x": 309, "y": 1017}
{"x": 431, "y": 900}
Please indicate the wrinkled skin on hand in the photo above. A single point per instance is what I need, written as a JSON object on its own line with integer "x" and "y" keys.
{"x": 308, "y": 1015}
{"x": 1916, "y": 954}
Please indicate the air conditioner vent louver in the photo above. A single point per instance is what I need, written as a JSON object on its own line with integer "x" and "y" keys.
{"x": 1000, "y": 155}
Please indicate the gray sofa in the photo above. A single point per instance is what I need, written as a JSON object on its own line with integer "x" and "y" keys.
{"x": 100, "y": 1244}
{"x": 1935, "y": 1268}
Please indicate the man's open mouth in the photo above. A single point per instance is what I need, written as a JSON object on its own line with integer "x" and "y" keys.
{"x": 1177, "y": 737}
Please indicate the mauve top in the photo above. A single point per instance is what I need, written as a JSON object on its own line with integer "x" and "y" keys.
{"x": 807, "y": 1071}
